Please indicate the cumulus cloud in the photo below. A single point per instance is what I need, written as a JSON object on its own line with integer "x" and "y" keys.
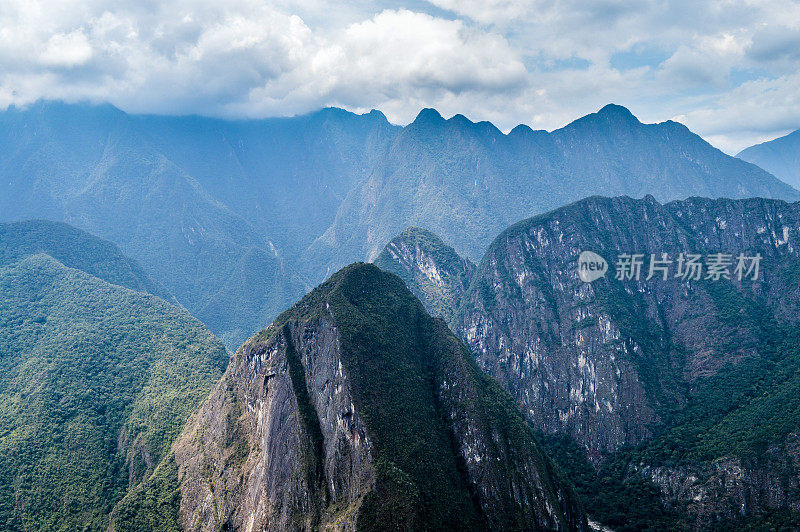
{"x": 727, "y": 68}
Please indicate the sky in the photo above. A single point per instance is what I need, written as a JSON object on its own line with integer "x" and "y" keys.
{"x": 729, "y": 70}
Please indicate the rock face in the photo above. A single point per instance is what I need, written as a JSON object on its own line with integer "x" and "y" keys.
{"x": 730, "y": 488}
{"x": 606, "y": 361}
{"x": 357, "y": 410}
{"x": 431, "y": 269}
{"x": 696, "y": 375}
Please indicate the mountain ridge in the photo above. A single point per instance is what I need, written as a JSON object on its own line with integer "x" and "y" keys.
{"x": 667, "y": 391}
{"x": 385, "y": 400}
{"x": 200, "y": 202}
{"x": 779, "y": 156}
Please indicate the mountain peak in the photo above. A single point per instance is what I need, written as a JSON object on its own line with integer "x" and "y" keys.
{"x": 428, "y": 116}
{"x": 618, "y": 112}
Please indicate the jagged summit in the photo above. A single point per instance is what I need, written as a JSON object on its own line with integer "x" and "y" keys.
{"x": 367, "y": 413}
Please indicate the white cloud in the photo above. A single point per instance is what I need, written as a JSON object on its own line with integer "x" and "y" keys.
{"x": 728, "y": 66}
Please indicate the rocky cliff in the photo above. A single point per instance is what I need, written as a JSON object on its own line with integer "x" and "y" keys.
{"x": 430, "y": 268}
{"x": 357, "y": 410}
{"x": 696, "y": 375}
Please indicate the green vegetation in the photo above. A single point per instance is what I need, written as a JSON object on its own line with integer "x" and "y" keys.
{"x": 745, "y": 407}
{"x": 152, "y": 504}
{"x": 440, "y": 298}
{"x": 75, "y": 249}
{"x": 610, "y": 494}
{"x": 385, "y": 334}
{"x": 96, "y": 381}
{"x": 395, "y": 355}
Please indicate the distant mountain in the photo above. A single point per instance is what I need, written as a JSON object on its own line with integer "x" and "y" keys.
{"x": 96, "y": 381}
{"x": 430, "y": 268}
{"x": 93, "y": 167}
{"x": 781, "y": 157}
{"x": 285, "y": 176}
{"x": 356, "y": 410}
{"x": 468, "y": 181}
{"x": 76, "y": 249}
{"x": 682, "y": 394}
{"x": 218, "y": 209}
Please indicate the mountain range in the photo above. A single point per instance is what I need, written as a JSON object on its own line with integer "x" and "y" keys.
{"x": 354, "y": 410}
{"x": 484, "y": 373}
{"x": 678, "y": 395}
{"x": 237, "y": 219}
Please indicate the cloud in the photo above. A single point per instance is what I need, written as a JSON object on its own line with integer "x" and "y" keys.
{"x": 728, "y": 67}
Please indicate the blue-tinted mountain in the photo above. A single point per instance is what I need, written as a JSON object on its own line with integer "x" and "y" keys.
{"x": 93, "y": 167}
{"x": 781, "y": 157}
{"x": 79, "y": 250}
{"x": 96, "y": 381}
{"x": 238, "y": 218}
{"x": 286, "y": 176}
{"x": 467, "y": 181}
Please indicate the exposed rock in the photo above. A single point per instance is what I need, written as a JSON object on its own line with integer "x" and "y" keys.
{"x": 604, "y": 361}
{"x": 696, "y": 375}
{"x": 357, "y": 410}
{"x": 431, "y": 269}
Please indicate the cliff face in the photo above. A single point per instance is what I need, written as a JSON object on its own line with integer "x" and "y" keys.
{"x": 698, "y": 377}
{"x": 730, "y": 488}
{"x": 265, "y": 455}
{"x": 606, "y": 361}
{"x": 357, "y": 410}
{"x": 430, "y": 268}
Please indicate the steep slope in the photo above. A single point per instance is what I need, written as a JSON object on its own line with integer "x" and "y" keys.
{"x": 92, "y": 167}
{"x": 199, "y": 202}
{"x": 700, "y": 376}
{"x": 285, "y": 176}
{"x": 781, "y": 157}
{"x": 76, "y": 249}
{"x": 96, "y": 381}
{"x": 357, "y": 410}
{"x": 468, "y": 181}
{"x": 433, "y": 271}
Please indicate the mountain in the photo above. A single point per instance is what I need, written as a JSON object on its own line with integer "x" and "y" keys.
{"x": 285, "y": 176}
{"x": 92, "y": 167}
{"x": 430, "y": 268}
{"x": 781, "y": 157}
{"x": 78, "y": 250}
{"x": 96, "y": 379}
{"x": 357, "y": 410}
{"x": 223, "y": 211}
{"x": 669, "y": 402}
{"x": 468, "y": 181}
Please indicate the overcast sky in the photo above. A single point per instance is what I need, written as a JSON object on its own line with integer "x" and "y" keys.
{"x": 730, "y": 70}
